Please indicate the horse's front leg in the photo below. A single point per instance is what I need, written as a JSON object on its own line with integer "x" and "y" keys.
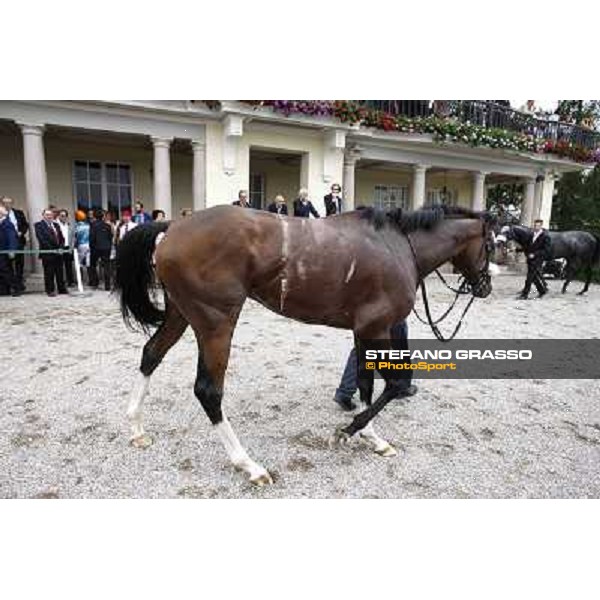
{"x": 365, "y": 387}
{"x": 368, "y": 433}
{"x": 379, "y": 445}
{"x": 362, "y": 423}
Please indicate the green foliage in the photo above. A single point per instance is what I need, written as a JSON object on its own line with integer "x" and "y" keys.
{"x": 577, "y": 201}
{"x": 442, "y": 129}
{"x": 505, "y": 194}
{"x": 581, "y": 112}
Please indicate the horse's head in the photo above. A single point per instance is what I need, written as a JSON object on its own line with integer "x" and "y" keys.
{"x": 473, "y": 261}
{"x": 517, "y": 233}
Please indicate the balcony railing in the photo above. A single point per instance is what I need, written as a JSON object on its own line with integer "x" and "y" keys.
{"x": 491, "y": 115}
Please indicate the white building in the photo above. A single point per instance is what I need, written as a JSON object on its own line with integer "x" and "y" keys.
{"x": 183, "y": 154}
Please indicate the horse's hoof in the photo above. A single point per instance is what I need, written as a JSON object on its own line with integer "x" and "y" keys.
{"x": 142, "y": 441}
{"x": 388, "y": 450}
{"x": 262, "y": 479}
{"x": 339, "y": 438}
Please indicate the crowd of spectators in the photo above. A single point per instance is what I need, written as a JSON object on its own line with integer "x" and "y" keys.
{"x": 93, "y": 235}
{"x": 302, "y": 206}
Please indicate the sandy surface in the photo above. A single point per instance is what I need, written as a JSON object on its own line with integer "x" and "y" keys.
{"x": 69, "y": 365}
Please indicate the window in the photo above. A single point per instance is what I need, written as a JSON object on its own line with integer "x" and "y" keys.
{"x": 102, "y": 185}
{"x": 88, "y": 185}
{"x": 442, "y": 196}
{"x": 118, "y": 187}
{"x": 257, "y": 190}
{"x": 390, "y": 196}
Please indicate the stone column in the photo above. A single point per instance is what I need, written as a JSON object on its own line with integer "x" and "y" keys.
{"x": 36, "y": 181}
{"x": 417, "y": 189}
{"x": 199, "y": 175}
{"x": 537, "y": 197}
{"x": 349, "y": 183}
{"x": 478, "y": 195}
{"x": 162, "y": 175}
{"x": 528, "y": 207}
{"x": 546, "y": 198}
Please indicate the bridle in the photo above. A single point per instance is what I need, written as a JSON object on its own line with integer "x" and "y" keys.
{"x": 465, "y": 287}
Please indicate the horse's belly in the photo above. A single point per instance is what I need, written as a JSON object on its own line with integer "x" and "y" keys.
{"x": 304, "y": 301}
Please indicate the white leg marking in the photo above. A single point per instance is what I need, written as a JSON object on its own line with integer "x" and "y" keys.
{"x": 351, "y": 271}
{"x": 238, "y": 455}
{"x": 493, "y": 269}
{"x": 378, "y": 444}
{"x": 134, "y": 412}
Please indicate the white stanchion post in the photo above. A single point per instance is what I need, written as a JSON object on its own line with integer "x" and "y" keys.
{"x": 80, "y": 291}
{"x": 78, "y": 270}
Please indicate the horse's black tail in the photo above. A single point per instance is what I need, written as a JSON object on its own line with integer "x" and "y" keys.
{"x": 134, "y": 278}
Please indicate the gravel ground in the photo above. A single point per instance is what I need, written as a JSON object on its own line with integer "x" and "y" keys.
{"x": 69, "y": 364}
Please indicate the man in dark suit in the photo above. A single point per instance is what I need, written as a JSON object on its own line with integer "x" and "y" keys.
{"x": 538, "y": 249}
{"x": 8, "y": 243}
{"x": 278, "y": 207}
{"x": 101, "y": 241}
{"x": 19, "y": 221}
{"x": 333, "y": 201}
{"x": 303, "y": 207}
{"x": 242, "y": 200}
{"x": 49, "y": 237}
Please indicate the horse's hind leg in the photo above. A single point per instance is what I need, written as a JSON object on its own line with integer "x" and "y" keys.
{"x": 569, "y": 274}
{"x": 213, "y": 356}
{"x": 588, "y": 279}
{"x": 154, "y": 351}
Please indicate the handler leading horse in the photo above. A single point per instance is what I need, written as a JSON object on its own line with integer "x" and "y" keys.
{"x": 358, "y": 271}
{"x": 581, "y": 249}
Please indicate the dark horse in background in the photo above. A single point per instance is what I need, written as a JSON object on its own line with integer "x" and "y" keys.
{"x": 358, "y": 271}
{"x": 581, "y": 250}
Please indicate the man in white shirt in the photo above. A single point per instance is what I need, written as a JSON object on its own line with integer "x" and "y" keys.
{"x": 125, "y": 226}
{"x": 68, "y": 233}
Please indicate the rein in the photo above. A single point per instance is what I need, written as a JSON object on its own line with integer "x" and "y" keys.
{"x": 463, "y": 288}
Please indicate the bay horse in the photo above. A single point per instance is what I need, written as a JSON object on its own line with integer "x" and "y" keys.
{"x": 581, "y": 249}
{"x": 358, "y": 271}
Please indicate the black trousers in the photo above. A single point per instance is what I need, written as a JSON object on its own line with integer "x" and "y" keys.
{"x": 19, "y": 265}
{"x": 67, "y": 261}
{"x": 53, "y": 272}
{"x": 102, "y": 257}
{"x": 8, "y": 281}
{"x": 534, "y": 276}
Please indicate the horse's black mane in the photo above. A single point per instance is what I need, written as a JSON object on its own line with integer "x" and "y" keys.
{"x": 424, "y": 218}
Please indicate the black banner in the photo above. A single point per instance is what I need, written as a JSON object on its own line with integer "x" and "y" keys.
{"x": 482, "y": 359}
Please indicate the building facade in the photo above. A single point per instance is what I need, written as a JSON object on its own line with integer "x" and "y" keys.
{"x": 196, "y": 154}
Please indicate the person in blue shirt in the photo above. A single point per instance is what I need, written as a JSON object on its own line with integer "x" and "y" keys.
{"x": 141, "y": 216}
{"x": 82, "y": 240}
